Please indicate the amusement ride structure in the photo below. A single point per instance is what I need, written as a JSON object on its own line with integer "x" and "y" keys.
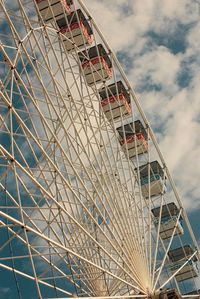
{"x": 88, "y": 206}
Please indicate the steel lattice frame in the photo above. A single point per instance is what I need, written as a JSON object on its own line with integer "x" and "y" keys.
{"x": 72, "y": 214}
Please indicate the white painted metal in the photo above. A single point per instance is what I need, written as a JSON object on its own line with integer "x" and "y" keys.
{"x": 71, "y": 198}
{"x": 52, "y": 9}
{"x": 167, "y": 227}
{"x": 115, "y": 106}
{"x": 135, "y": 145}
{"x": 96, "y": 70}
{"x": 157, "y": 187}
{"x": 75, "y": 34}
{"x": 187, "y": 272}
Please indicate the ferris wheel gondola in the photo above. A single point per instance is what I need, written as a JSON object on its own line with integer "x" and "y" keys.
{"x": 89, "y": 208}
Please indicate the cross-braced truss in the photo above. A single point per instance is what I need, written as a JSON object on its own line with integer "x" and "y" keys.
{"x": 76, "y": 214}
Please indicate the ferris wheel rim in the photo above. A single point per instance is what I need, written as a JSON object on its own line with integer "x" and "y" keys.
{"x": 135, "y": 275}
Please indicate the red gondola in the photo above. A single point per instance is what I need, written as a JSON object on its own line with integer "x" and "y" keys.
{"x": 76, "y": 29}
{"x": 53, "y": 9}
{"x": 133, "y": 138}
{"x": 115, "y": 100}
{"x": 96, "y": 64}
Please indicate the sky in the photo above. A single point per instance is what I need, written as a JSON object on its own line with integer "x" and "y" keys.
{"x": 157, "y": 42}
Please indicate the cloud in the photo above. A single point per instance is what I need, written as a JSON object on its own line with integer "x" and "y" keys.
{"x": 164, "y": 74}
{"x": 141, "y": 31}
{"x": 4, "y": 290}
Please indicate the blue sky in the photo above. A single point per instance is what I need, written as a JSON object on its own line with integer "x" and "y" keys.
{"x": 158, "y": 44}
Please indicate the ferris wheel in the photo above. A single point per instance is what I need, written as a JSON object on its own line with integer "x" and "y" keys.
{"x": 88, "y": 206}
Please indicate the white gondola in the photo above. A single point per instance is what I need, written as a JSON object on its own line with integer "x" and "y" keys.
{"x": 178, "y": 257}
{"x": 195, "y": 292}
{"x": 169, "y": 294}
{"x": 115, "y": 100}
{"x": 189, "y": 271}
{"x": 152, "y": 179}
{"x": 157, "y": 186}
{"x": 133, "y": 138}
{"x": 75, "y": 30}
{"x": 53, "y": 9}
{"x": 167, "y": 227}
{"x": 168, "y": 220}
{"x": 96, "y": 65}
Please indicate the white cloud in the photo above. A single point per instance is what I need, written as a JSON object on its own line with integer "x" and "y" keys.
{"x": 174, "y": 106}
{"x": 157, "y": 67}
{"x": 4, "y": 290}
